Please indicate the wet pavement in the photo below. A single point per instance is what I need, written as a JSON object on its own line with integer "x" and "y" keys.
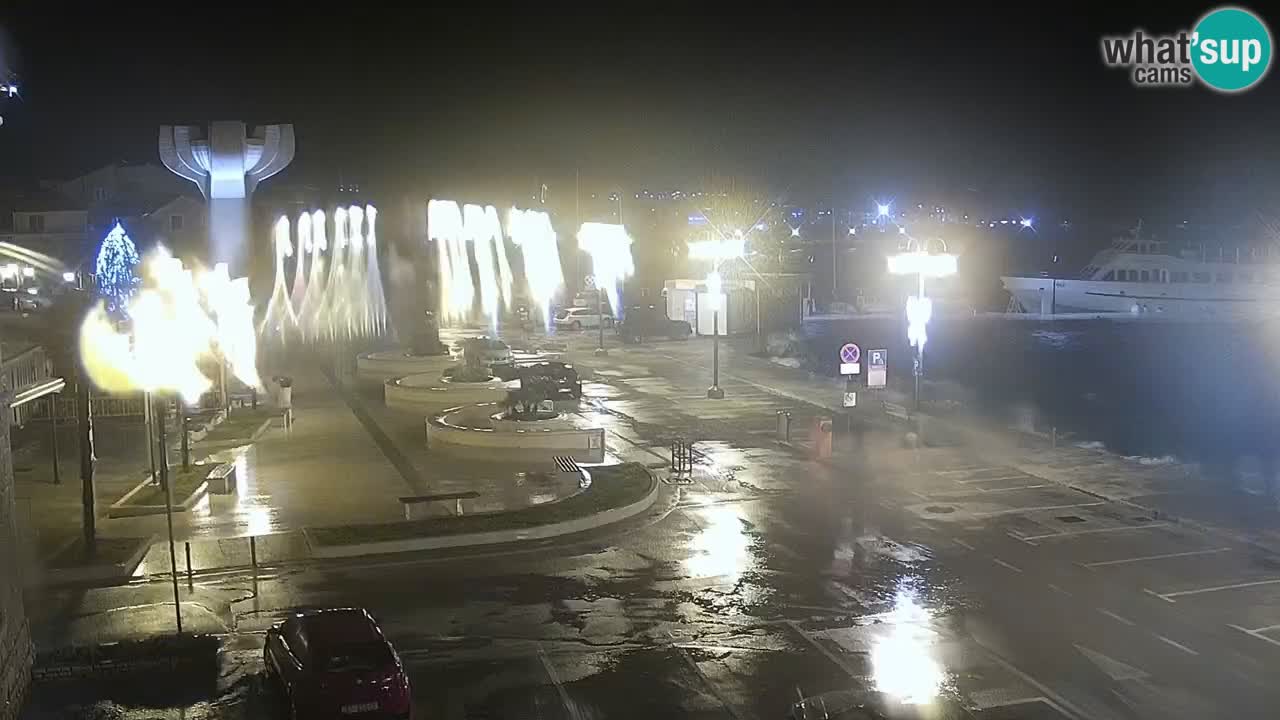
{"x": 764, "y": 577}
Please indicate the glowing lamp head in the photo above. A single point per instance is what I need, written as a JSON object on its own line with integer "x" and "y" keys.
{"x": 1026, "y": 222}
{"x": 882, "y": 209}
{"x": 922, "y": 263}
{"x": 33, "y": 291}
{"x": 795, "y": 232}
{"x": 68, "y": 277}
{"x": 28, "y": 271}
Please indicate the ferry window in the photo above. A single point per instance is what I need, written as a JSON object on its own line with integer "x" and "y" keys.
{"x": 1111, "y": 275}
{"x": 1200, "y": 277}
{"x": 1164, "y": 276}
{"x": 1224, "y": 277}
{"x": 1146, "y": 276}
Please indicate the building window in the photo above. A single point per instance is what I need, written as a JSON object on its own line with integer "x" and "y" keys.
{"x": 1111, "y": 275}
{"x": 1146, "y": 276}
{"x": 35, "y": 223}
{"x": 175, "y": 223}
{"x": 1200, "y": 277}
{"x": 99, "y": 194}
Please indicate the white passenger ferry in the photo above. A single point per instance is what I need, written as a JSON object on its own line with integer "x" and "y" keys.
{"x": 1138, "y": 276}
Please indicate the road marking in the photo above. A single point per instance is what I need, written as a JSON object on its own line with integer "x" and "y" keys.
{"x": 684, "y": 654}
{"x": 1216, "y": 588}
{"x": 1153, "y": 593}
{"x": 1178, "y": 645}
{"x": 1041, "y": 508}
{"x": 1072, "y": 533}
{"x": 1019, "y": 538}
{"x": 555, "y": 678}
{"x": 921, "y": 495}
{"x": 1002, "y": 563}
{"x": 963, "y": 544}
{"x": 1057, "y": 589}
{"x": 1117, "y": 618}
{"x": 1256, "y": 634}
{"x": 1060, "y": 703}
{"x": 972, "y": 481}
{"x": 820, "y": 648}
{"x": 1144, "y": 558}
{"x": 961, "y": 471}
{"x": 1011, "y": 489}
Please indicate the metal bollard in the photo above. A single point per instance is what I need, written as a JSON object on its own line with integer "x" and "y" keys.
{"x": 784, "y": 426}
{"x": 253, "y": 554}
{"x": 190, "y": 581}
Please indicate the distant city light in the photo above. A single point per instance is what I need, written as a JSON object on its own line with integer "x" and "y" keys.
{"x": 795, "y": 232}
{"x": 28, "y": 271}
{"x": 1025, "y": 222}
{"x": 33, "y": 291}
{"x": 68, "y": 277}
{"x": 882, "y": 209}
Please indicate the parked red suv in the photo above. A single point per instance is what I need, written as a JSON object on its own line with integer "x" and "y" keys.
{"x": 336, "y": 664}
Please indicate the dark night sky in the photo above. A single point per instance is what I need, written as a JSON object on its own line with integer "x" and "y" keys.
{"x": 1015, "y": 109}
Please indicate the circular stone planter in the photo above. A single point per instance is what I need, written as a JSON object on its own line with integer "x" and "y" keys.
{"x": 388, "y": 364}
{"x": 473, "y": 431}
{"x": 430, "y": 390}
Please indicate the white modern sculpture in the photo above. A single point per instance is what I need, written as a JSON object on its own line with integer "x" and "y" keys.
{"x": 226, "y": 162}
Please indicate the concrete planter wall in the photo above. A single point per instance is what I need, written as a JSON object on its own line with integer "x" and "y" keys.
{"x": 540, "y": 532}
{"x": 122, "y": 508}
{"x": 467, "y": 431}
{"x": 429, "y": 390}
{"x": 383, "y": 366}
{"x": 102, "y": 572}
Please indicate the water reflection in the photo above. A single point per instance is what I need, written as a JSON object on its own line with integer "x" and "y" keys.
{"x": 720, "y": 547}
{"x": 902, "y": 660}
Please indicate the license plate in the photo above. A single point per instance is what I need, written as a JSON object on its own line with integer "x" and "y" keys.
{"x": 359, "y": 707}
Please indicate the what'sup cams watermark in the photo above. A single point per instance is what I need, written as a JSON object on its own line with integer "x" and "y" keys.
{"x": 1228, "y": 50}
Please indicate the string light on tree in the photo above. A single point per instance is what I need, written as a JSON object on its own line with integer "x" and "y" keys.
{"x": 116, "y": 269}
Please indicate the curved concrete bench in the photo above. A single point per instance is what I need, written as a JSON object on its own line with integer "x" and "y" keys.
{"x": 469, "y": 431}
{"x": 389, "y": 364}
{"x": 429, "y": 390}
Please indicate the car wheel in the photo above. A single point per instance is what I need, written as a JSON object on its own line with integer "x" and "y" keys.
{"x": 576, "y": 325}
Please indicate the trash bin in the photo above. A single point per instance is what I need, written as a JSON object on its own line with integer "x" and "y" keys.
{"x": 284, "y": 399}
{"x": 784, "y": 426}
{"x": 822, "y": 437}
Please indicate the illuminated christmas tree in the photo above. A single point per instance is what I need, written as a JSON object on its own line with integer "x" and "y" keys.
{"x": 117, "y": 271}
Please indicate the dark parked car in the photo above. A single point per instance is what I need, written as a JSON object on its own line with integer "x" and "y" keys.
{"x": 336, "y": 664}
{"x": 649, "y": 321}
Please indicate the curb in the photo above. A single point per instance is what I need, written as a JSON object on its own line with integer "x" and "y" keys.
{"x": 237, "y": 442}
{"x": 122, "y": 509}
{"x": 101, "y": 572}
{"x": 493, "y": 537}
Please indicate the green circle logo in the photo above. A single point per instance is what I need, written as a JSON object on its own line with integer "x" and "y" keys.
{"x": 1231, "y": 49}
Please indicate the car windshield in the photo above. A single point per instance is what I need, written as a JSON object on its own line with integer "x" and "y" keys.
{"x": 628, "y": 362}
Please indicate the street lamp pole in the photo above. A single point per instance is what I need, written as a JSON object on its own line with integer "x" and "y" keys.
{"x": 600, "y": 350}
{"x": 715, "y": 392}
{"x": 168, "y": 509}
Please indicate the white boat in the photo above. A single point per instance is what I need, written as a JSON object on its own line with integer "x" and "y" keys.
{"x": 1140, "y": 276}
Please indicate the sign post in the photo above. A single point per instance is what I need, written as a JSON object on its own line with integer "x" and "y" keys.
{"x": 849, "y": 356}
{"x": 877, "y": 368}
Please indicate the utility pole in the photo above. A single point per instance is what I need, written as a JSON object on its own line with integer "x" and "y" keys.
{"x": 168, "y": 508}
{"x": 84, "y": 431}
{"x": 835, "y": 259}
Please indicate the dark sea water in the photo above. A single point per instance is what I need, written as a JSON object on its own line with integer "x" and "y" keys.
{"x": 1197, "y": 391}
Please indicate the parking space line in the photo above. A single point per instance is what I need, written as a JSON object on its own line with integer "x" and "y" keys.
{"x": 1217, "y": 588}
{"x": 962, "y": 544}
{"x": 1057, "y": 589}
{"x": 971, "y": 481}
{"x": 1019, "y": 538}
{"x": 1060, "y": 703}
{"x": 555, "y": 678}
{"x": 1144, "y": 558}
{"x": 819, "y": 647}
{"x": 959, "y": 471}
{"x": 1178, "y": 645}
{"x": 1004, "y": 564}
{"x": 1256, "y": 634}
{"x": 1011, "y": 489}
{"x": 688, "y": 660}
{"x": 1041, "y": 508}
{"x": 1153, "y": 593}
{"x": 1117, "y": 618}
{"x": 1072, "y": 533}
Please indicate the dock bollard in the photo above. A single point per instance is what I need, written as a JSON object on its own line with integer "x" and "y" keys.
{"x": 253, "y": 554}
{"x": 784, "y": 426}
{"x": 190, "y": 582}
